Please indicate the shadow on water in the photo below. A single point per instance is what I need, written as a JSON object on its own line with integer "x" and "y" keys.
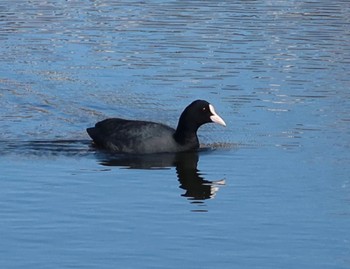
{"x": 191, "y": 180}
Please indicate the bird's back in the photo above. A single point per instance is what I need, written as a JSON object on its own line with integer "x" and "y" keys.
{"x": 130, "y": 136}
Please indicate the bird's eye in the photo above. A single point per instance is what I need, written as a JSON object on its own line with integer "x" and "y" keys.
{"x": 204, "y": 108}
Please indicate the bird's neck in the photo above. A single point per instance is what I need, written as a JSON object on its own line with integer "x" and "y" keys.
{"x": 186, "y": 133}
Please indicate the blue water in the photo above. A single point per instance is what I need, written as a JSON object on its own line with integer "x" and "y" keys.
{"x": 271, "y": 190}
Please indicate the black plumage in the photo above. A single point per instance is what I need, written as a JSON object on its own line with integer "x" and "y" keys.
{"x": 143, "y": 137}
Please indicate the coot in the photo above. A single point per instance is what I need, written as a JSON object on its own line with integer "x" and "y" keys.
{"x": 143, "y": 137}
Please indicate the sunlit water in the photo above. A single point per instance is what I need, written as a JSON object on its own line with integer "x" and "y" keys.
{"x": 271, "y": 190}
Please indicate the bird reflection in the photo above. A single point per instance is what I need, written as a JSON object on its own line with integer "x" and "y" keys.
{"x": 190, "y": 178}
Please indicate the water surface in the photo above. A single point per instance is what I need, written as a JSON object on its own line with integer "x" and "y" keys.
{"x": 272, "y": 190}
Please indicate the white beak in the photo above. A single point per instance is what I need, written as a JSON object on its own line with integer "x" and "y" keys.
{"x": 215, "y": 117}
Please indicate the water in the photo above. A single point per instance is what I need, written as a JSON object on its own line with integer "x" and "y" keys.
{"x": 271, "y": 190}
